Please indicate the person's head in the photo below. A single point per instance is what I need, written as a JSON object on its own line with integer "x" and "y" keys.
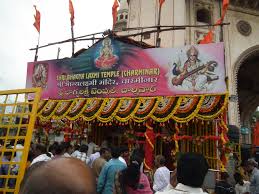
{"x": 76, "y": 147}
{"x": 159, "y": 161}
{"x": 40, "y": 149}
{"x": 8, "y": 155}
{"x": 30, "y": 156}
{"x": 250, "y": 165}
{"x": 115, "y": 152}
{"x": 192, "y": 169}
{"x": 59, "y": 150}
{"x": 224, "y": 176}
{"x": 11, "y": 143}
{"x": 84, "y": 148}
{"x": 30, "y": 170}
{"x": 238, "y": 178}
{"x": 90, "y": 139}
{"x": 105, "y": 153}
{"x": 136, "y": 157}
{"x": 192, "y": 54}
{"x": 124, "y": 151}
{"x": 139, "y": 154}
{"x": 131, "y": 175}
{"x": 20, "y": 141}
{"x": 62, "y": 175}
{"x": 53, "y": 148}
{"x": 67, "y": 147}
{"x": 96, "y": 149}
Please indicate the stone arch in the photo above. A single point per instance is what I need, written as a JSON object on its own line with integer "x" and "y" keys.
{"x": 246, "y": 55}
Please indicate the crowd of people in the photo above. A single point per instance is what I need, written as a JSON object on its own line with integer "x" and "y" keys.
{"x": 90, "y": 169}
{"x": 247, "y": 180}
{"x": 110, "y": 170}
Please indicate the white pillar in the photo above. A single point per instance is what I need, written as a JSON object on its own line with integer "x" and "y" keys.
{"x": 179, "y": 12}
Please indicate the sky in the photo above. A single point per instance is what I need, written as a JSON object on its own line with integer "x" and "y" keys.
{"x": 18, "y": 35}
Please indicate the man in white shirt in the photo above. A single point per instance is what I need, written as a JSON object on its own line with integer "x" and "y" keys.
{"x": 124, "y": 157}
{"x": 19, "y": 145}
{"x": 91, "y": 145}
{"x": 251, "y": 168}
{"x": 191, "y": 171}
{"x": 76, "y": 151}
{"x": 18, "y": 155}
{"x": 66, "y": 149}
{"x": 94, "y": 156}
{"x": 40, "y": 153}
{"x": 82, "y": 155}
{"x": 242, "y": 186}
{"x": 162, "y": 174}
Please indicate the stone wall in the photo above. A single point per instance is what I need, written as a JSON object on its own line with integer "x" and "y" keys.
{"x": 240, "y": 40}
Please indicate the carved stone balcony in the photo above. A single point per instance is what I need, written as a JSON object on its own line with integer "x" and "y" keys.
{"x": 247, "y": 4}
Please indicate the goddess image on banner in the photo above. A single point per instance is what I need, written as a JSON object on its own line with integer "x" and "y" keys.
{"x": 40, "y": 75}
{"x": 194, "y": 74}
{"x": 106, "y": 59}
{"x": 193, "y": 69}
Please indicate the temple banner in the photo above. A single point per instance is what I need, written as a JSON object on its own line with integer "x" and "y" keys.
{"x": 112, "y": 68}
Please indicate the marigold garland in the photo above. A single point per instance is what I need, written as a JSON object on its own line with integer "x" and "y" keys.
{"x": 63, "y": 107}
{"x": 197, "y": 113}
{"x": 72, "y": 118}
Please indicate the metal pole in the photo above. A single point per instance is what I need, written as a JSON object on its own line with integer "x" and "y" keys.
{"x": 158, "y": 27}
{"x": 73, "y": 42}
{"x": 37, "y": 49}
{"x": 141, "y": 36}
{"x": 221, "y": 36}
{"x": 58, "y": 52}
{"x": 93, "y": 40}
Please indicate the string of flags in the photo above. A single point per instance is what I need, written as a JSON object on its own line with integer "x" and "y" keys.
{"x": 208, "y": 38}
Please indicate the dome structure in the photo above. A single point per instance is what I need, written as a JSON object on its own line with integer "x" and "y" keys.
{"x": 122, "y": 16}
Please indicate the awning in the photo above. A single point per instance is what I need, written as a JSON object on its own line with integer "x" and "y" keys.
{"x": 182, "y": 109}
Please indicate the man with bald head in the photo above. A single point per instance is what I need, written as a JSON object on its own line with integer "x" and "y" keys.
{"x": 61, "y": 175}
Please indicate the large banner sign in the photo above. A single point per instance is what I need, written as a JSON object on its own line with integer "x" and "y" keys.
{"x": 112, "y": 68}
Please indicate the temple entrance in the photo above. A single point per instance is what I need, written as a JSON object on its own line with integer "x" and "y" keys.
{"x": 248, "y": 97}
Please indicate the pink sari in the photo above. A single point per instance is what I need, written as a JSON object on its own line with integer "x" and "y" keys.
{"x": 144, "y": 186}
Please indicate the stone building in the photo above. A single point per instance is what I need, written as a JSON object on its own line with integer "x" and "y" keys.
{"x": 122, "y": 16}
{"x": 241, "y": 40}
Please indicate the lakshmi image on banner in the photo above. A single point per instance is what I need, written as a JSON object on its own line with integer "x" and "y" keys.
{"x": 106, "y": 59}
{"x": 40, "y": 75}
{"x": 194, "y": 75}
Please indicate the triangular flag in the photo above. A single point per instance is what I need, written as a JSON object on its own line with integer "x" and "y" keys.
{"x": 161, "y": 2}
{"x": 72, "y": 13}
{"x": 115, "y": 12}
{"x": 224, "y": 10}
{"x": 37, "y": 19}
{"x": 208, "y": 38}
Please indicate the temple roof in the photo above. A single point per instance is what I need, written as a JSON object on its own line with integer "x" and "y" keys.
{"x": 124, "y": 39}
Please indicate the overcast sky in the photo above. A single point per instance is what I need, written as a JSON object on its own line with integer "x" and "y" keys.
{"x": 18, "y": 35}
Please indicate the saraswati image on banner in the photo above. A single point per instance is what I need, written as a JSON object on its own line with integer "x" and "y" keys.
{"x": 193, "y": 69}
{"x": 194, "y": 74}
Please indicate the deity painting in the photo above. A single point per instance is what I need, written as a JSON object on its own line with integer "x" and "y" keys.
{"x": 107, "y": 59}
{"x": 194, "y": 75}
{"x": 40, "y": 75}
